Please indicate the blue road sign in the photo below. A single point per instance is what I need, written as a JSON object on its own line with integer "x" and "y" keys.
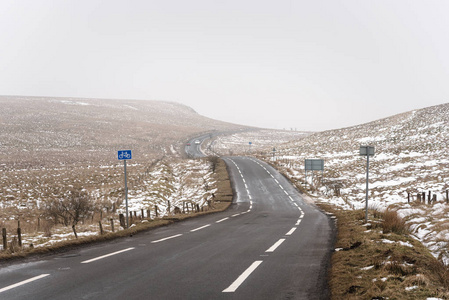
{"x": 124, "y": 154}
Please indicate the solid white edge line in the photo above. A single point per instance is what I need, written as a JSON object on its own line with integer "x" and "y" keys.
{"x": 235, "y": 285}
{"x": 107, "y": 255}
{"x": 23, "y": 282}
{"x": 167, "y": 238}
{"x": 277, "y": 244}
{"x": 199, "y": 228}
{"x": 291, "y": 231}
{"x": 219, "y": 221}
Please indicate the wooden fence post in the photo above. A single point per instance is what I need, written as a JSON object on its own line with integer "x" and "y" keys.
{"x": 5, "y": 242}
{"x": 141, "y": 214}
{"x": 101, "y": 227}
{"x": 447, "y": 196}
{"x": 434, "y": 198}
{"x": 168, "y": 211}
{"x": 424, "y": 197}
{"x": 121, "y": 218}
{"x": 38, "y": 224}
{"x": 112, "y": 225}
{"x": 156, "y": 212}
{"x": 429, "y": 198}
{"x": 418, "y": 197}
{"x": 19, "y": 233}
{"x": 408, "y": 197}
{"x": 148, "y": 214}
{"x": 74, "y": 231}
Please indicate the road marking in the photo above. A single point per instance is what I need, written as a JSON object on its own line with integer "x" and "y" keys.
{"x": 246, "y": 187}
{"x": 276, "y": 181}
{"x": 250, "y": 198}
{"x": 235, "y": 285}
{"x": 199, "y": 228}
{"x": 107, "y": 255}
{"x": 277, "y": 244}
{"x": 23, "y": 282}
{"x": 236, "y": 215}
{"x": 298, "y": 222}
{"x": 167, "y": 238}
{"x": 290, "y": 198}
{"x": 219, "y": 221}
{"x": 285, "y": 192}
{"x": 291, "y": 231}
{"x": 300, "y": 209}
{"x": 295, "y": 204}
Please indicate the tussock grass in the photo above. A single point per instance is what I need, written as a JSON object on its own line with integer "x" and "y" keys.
{"x": 393, "y": 223}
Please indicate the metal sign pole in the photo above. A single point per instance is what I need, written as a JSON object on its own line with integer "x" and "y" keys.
{"x": 126, "y": 196}
{"x": 367, "y": 182}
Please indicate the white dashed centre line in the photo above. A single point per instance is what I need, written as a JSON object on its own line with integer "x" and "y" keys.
{"x": 23, "y": 282}
{"x": 291, "y": 231}
{"x": 236, "y": 215}
{"x": 167, "y": 238}
{"x": 219, "y": 221}
{"x": 274, "y": 247}
{"x": 199, "y": 228}
{"x": 235, "y": 285}
{"x": 107, "y": 255}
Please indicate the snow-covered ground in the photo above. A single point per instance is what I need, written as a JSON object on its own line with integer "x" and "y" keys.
{"x": 171, "y": 180}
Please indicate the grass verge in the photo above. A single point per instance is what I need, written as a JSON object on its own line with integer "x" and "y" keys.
{"x": 380, "y": 261}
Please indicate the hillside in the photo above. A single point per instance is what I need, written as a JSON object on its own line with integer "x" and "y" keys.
{"x": 42, "y": 131}
{"x": 49, "y": 145}
{"x": 410, "y": 156}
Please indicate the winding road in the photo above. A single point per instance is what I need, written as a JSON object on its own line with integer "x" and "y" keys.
{"x": 270, "y": 244}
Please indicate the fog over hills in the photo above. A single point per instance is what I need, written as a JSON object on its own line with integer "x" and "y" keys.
{"x": 36, "y": 130}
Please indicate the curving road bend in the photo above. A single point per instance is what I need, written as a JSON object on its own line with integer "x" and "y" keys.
{"x": 269, "y": 245}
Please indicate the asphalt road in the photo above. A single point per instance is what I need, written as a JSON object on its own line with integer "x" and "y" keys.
{"x": 269, "y": 245}
{"x": 193, "y": 147}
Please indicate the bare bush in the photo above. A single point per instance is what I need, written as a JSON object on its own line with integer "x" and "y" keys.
{"x": 69, "y": 209}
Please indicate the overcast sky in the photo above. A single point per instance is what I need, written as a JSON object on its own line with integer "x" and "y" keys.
{"x": 310, "y": 65}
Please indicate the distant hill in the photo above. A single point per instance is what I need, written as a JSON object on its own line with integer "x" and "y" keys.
{"x": 47, "y": 131}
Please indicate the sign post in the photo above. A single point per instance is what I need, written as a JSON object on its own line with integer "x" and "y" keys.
{"x": 313, "y": 165}
{"x": 125, "y": 155}
{"x": 367, "y": 151}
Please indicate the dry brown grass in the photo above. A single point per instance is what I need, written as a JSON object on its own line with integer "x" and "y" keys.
{"x": 367, "y": 267}
{"x": 393, "y": 223}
